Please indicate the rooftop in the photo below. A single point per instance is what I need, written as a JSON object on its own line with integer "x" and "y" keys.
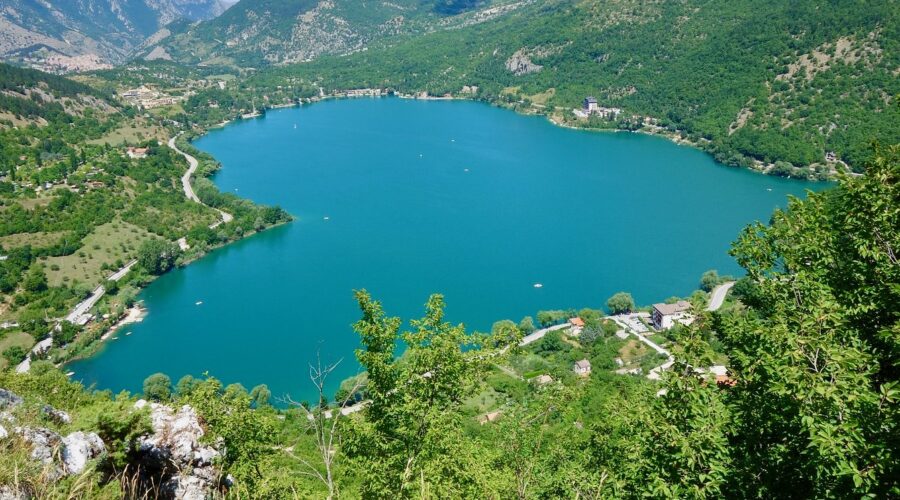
{"x": 583, "y": 364}
{"x": 668, "y": 309}
{"x": 576, "y": 321}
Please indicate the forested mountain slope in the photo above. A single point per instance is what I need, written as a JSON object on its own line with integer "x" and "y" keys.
{"x": 86, "y": 34}
{"x": 790, "y": 81}
{"x": 261, "y": 32}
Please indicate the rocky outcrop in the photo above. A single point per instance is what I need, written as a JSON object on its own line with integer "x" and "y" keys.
{"x": 174, "y": 449}
{"x": 172, "y": 456}
{"x": 520, "y": 63}
{"x": 78, "y": 449}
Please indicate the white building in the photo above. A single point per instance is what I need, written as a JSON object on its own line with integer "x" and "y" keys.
{"x": 666, "y": 315}
{"x": 582, "y": 368}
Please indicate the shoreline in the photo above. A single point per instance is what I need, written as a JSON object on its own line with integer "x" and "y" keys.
{"x": 133, "y": 315}
{"x": 676, "y": 136}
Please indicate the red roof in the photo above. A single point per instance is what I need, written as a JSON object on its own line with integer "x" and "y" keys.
{"x": 576, "y": 321}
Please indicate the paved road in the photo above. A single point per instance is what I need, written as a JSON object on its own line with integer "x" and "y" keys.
{"x": 718, "y": 295}
{"x": 186, "y": 183}
{"x": 632, "y": 325}
{"x": 539, "y": 334}
{"x": 80, "y": 310}
{"x": 186, "y": 178}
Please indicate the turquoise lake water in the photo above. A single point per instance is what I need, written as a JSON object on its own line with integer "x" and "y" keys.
{"x": 461, "y": 198}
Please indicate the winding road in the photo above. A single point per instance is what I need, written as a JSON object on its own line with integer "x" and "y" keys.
{"x": 717, "y": 297}
{"x": 186, "y": 183}
{"x": 87, "y": 304}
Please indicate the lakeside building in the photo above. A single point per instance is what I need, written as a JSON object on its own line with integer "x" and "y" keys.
{"x": 576, "y": 326}
{"x": 591, "y": 107}
{"x": 666, "y": 315}
{"x": 582, "y": 368}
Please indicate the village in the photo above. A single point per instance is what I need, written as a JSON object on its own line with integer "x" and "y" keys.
{"x": 647, "y": 328}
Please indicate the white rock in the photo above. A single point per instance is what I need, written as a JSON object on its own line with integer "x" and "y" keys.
{"x": 3, "y": 433}
{"x": 43, "y": 442}
{"x": 78, "y": 448}
{"x": 185, "y": 487}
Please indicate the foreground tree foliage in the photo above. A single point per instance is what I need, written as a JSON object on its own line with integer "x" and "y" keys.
{"x": 411, "y": 441}
{"x": 816, "y": 408}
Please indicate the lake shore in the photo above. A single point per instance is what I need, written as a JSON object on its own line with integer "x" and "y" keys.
{"x": 676, "y": 136}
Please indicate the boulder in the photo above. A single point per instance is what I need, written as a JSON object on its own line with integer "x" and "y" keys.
{"x": 9, "y": 399}
{"x": 44, "y": 442}
{"x": 58, "y": 416}
{"x": 3, "y": 433}
{"x": 78, "y": 448}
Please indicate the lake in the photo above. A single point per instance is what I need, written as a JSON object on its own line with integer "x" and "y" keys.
{"x": 407, "y": 198}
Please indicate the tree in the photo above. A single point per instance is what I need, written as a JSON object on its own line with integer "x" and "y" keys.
{"x": 64, "y": 333}
{"x": 158, "y": 387}
{"x": 260, "y": 396}
{"x": 35, "y": 279}
{"x": 14, "y": 355}
{"x": 157, "y": 256}
{"x": 620, "y": 303}
{"x": 709, "y": 280}
{"x": 526, "y": 326}
{"x": 324, "y": 423}
{"x": 411, "y": 439}
{"x": 185, "y": 385}
{"x": 817, "y": 389}
{"x": 505, "y": 333}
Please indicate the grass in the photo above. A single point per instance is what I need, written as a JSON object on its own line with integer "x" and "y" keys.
{"x": 633, "y": 350}
{"x": 129, "y": 134}
{"x": 486, "y": 401}
{"x": 31, "y": 203}
{"x": 36, "y": 240}
{"x": 10, "y": 339}
{"x": 108, "y": 243}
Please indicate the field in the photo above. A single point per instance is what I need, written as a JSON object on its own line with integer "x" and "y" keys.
{"x": 115, "y": 241}
{"x": 129, "y": 134}
{"x": 8, "y": 340}
{"x": 36, "y": 240}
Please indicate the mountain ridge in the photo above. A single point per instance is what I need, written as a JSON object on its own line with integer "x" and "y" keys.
{"x": 88, "y": 34}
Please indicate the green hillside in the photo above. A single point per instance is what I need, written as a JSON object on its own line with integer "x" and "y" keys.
{"x": 788, "y": 82}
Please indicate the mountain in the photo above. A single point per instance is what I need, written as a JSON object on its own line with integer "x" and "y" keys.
{"x": 88, "y": 34}
{"x": 263, "y": 32}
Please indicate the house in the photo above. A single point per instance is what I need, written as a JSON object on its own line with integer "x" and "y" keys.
{"x": 590, "y": 104}
{"x": 137, "y": 153}
{"x": 830, "y": 156}
{"x": 582, "y": 368}
{"x": 665, "y": 315}
{"x": 576, "y": 325}
{"x": 543, "y": 379}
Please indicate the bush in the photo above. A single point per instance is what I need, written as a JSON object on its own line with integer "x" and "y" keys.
{"x": 14, "y": 355}
{"x": 158, "y": 387}
{"x": 620, "y": 303}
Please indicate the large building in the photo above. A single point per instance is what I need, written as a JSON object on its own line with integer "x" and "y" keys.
{"x": 666, "y": 315}
{"x": 590, "y": 104}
